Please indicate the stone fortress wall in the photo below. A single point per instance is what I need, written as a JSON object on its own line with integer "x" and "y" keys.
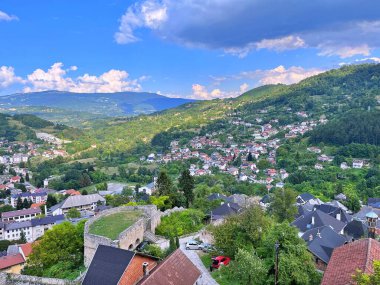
{"x": 129, "y": 238}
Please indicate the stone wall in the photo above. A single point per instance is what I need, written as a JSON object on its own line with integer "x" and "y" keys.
{"x": 129, "y": 238}
{"x": 17, "y": 279}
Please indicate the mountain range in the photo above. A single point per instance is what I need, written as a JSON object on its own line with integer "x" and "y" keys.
{"x": 60, "y": 106}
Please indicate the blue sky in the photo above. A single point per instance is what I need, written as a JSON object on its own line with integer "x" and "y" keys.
{"x": 199, "y": 49}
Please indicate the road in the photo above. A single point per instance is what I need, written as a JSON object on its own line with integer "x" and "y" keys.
{"x": 206, "y": 278}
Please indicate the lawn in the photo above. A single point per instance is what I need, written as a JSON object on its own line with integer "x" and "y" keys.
{"x": 112, "y": 225}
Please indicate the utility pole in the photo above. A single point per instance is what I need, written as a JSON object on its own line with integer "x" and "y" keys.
{"x": 277, "y": 249}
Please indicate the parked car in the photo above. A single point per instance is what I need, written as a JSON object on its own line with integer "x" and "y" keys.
{"x": 220, "y": 260}
{"x": 143, "y": 245}
{"x": 193, "y": 244}
{"x": 206, "y": 247}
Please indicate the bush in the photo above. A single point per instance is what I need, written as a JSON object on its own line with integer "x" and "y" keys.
{"x": 181, "y": 223}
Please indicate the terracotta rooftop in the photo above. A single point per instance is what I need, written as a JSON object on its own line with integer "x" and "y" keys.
{"x": 26, "y": 248}
{"x": 134, "y": 272}
{"x": 175, "y": 269}
{"x": 349, "y": 257}
{"x": 11, "y": 260}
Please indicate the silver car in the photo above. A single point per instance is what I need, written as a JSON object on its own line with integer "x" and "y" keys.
{"x": 193, "y": 244}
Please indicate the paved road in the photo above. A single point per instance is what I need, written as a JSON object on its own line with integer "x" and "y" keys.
{"x": 206, "y": 278}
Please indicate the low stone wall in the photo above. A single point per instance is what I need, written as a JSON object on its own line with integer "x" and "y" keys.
{"x": 129, "y": 238}
{"x": 16, "y": 279}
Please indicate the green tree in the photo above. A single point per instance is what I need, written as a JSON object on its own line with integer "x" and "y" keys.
{"x": 25, "y": 204}
{"x": 23, "y": 237}
{"x": 73, "y": 213}
{"x": 361, "y": 278}
{"x": 61, "y": 247}
{"x": 283, "y": 205}
{"x": 51, "y": 201}
{"x": 263, "y": 164}
{"x": 19, "y": 203}
{"x": 84, "y": 192}
{"x": 177, "y": 242}
{"x": 172, "y": 245}
{"x": 164, "y": 184}
{"x": 248, "y": 268}
{"x": 249, "y": 157}
{"x": 27, "y": 177}
{"x": 186, "y": 185}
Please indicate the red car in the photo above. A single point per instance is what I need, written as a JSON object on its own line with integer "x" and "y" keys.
{"x": 220, "y": 260}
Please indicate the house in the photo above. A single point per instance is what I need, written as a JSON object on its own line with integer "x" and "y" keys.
{"x": 357, "y": 164}
{"x": 316, "y": 219}
{"x": 79, "y": 202}
{"x": 226, "y": 209}
{"x": 32, "y": 229}
{"x": 344, "y": 166}
{"x": 355, "y": 230}
{"x": 335, "y": 212}
{"x": 15, "y": 179}
{"x": 321, "y": 242}
{"x": 20, "y": 215}
{"x": 348, "y": 258}
{"x": 340, "y": 197}
{"x": 217, "y": 196}
{"x": 147, "y": 189}
{"x": 37, "y": 197}
{"x": 70, "y": 192}
{"x": 12, "y": 263}
{"x": 115, "y": 266}
{"x": 175, "y": 269}
{"x": 374, "y": 202}
{"x": 304, "y": 197}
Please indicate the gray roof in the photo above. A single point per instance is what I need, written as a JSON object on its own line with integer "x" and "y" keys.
{"x": 18, "y": 225}
{"x": 361, "y": 215}
{"x": 324, "y": 241}
{"x": 81, "y": 200}
{"x": 22, "y": 212}
{"x": 304, "y": 223}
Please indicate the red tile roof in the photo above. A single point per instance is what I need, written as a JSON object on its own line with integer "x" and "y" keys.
{"x": 349, "y": 257}
{"x": 175, "y": 269}
{"x": 37, "y": 205}
{"x": 134, "y": 272}
{"x": 26, "y": 248}
{"x": 11, "y": 260}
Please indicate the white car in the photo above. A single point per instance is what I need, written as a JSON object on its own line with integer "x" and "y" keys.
{"x": 193, "y": 244}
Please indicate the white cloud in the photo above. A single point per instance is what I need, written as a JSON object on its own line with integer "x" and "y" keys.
{"x": 8, "y": 77}
{"x": 149, "y": 14}
{"x": 344, "y": 51}
{"x": 55, "y": 78}
{"x": 200, "y": 92}
{"x": 244, "y": 88}
{"x": 277, "y": 75}
{"x": 281, "y": 44}
{"x": 5, "y": 17}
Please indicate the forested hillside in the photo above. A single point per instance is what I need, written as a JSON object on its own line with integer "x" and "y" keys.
{"x": 361, "y": 127}
{"x": 330, "y": 94}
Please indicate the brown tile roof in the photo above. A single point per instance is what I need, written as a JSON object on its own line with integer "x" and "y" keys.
{"x": 174, "y": 270}
{"x": 11, "y": 260}
{"x": 134, "y": 271}
{"x": 349, "y": 257}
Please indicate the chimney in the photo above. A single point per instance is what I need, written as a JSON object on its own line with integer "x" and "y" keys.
{"x": 310, "y": 237}
{"x": 312, "y": 220}
{"x": 45, "y": 208}
{"x": 145, "y": 268}
{"x": 319, "y": 234}
{"x": 338, "y": 216}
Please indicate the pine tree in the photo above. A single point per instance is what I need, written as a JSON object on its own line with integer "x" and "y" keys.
{"x": 22, "y": 180}
{"x": 19, "y": 203}
{"x": 164, "y": 184}
{"x": 186, "y": 185}
{"x": 23, "y": 237}
{"x": 172, "y": 245}
{"x": 27, "y": 177}
{"x": 25, "y": 204}
{"x": 249, "y": 157}
{"x": 177, "y": 241}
